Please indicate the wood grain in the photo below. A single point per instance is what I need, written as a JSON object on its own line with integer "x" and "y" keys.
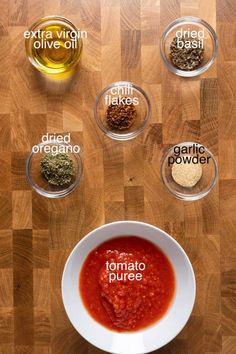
{"x": 121, "y": 180}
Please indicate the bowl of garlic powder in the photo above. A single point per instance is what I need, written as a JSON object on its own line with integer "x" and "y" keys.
{"x": 189, "y": 171}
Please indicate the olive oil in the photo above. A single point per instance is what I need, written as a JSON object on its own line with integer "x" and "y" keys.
{"x": 54, "y": 45}
{"x": 54, "y": 49}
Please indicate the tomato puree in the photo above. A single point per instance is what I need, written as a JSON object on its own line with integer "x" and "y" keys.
{"x": 125, "y": 305}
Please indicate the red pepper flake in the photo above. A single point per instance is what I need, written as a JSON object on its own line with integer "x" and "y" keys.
{"x": 121, "y": 116}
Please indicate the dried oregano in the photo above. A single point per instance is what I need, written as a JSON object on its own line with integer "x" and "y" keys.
{"x": 57, "y": 169}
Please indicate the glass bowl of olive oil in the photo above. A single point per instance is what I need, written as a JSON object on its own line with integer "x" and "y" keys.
{"x": 54, "y": 169}
{"x": 53, "y": 45}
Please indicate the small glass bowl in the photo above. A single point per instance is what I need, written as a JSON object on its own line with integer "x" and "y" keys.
{"x": 193, "y": 24}
{"x": 39, "y": 183}
{"x": 49, "y": 23}
{"x": 143, "y": 110}
{"x": 203, "y": 186}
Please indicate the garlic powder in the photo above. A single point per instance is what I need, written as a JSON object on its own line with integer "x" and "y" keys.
{"x": 186, "y": 174}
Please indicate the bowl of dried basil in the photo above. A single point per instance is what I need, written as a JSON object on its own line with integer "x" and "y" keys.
{"x": 122, "y": 110}
{"x": 188, "y": 46}
{"x": 54, "y": 169}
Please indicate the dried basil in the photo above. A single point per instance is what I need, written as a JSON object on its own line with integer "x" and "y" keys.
{"x": 186, "y": 58}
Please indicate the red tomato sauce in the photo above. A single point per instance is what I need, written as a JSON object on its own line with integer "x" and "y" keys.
{"x": 127, "y": 305}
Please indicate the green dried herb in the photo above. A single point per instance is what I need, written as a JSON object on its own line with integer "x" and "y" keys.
{"x": 186, "y": 58}
{"x": 57, "y": 169}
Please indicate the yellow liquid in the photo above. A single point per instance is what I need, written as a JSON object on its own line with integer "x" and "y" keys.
{"x": 57, "y": 59}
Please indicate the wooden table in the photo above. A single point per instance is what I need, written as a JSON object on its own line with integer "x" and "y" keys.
{"x": 121, "y": 180}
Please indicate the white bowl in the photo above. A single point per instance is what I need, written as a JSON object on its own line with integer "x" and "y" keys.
{"x": 150, "y": 338}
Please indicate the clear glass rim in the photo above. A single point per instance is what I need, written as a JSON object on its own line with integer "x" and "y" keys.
{"x": 43, "y": 20}
{"x": 126, "y": 136}
{"x": 56, "y": 194}
{"x": 195, "y": 196}
{"x": 184, "y": 20}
